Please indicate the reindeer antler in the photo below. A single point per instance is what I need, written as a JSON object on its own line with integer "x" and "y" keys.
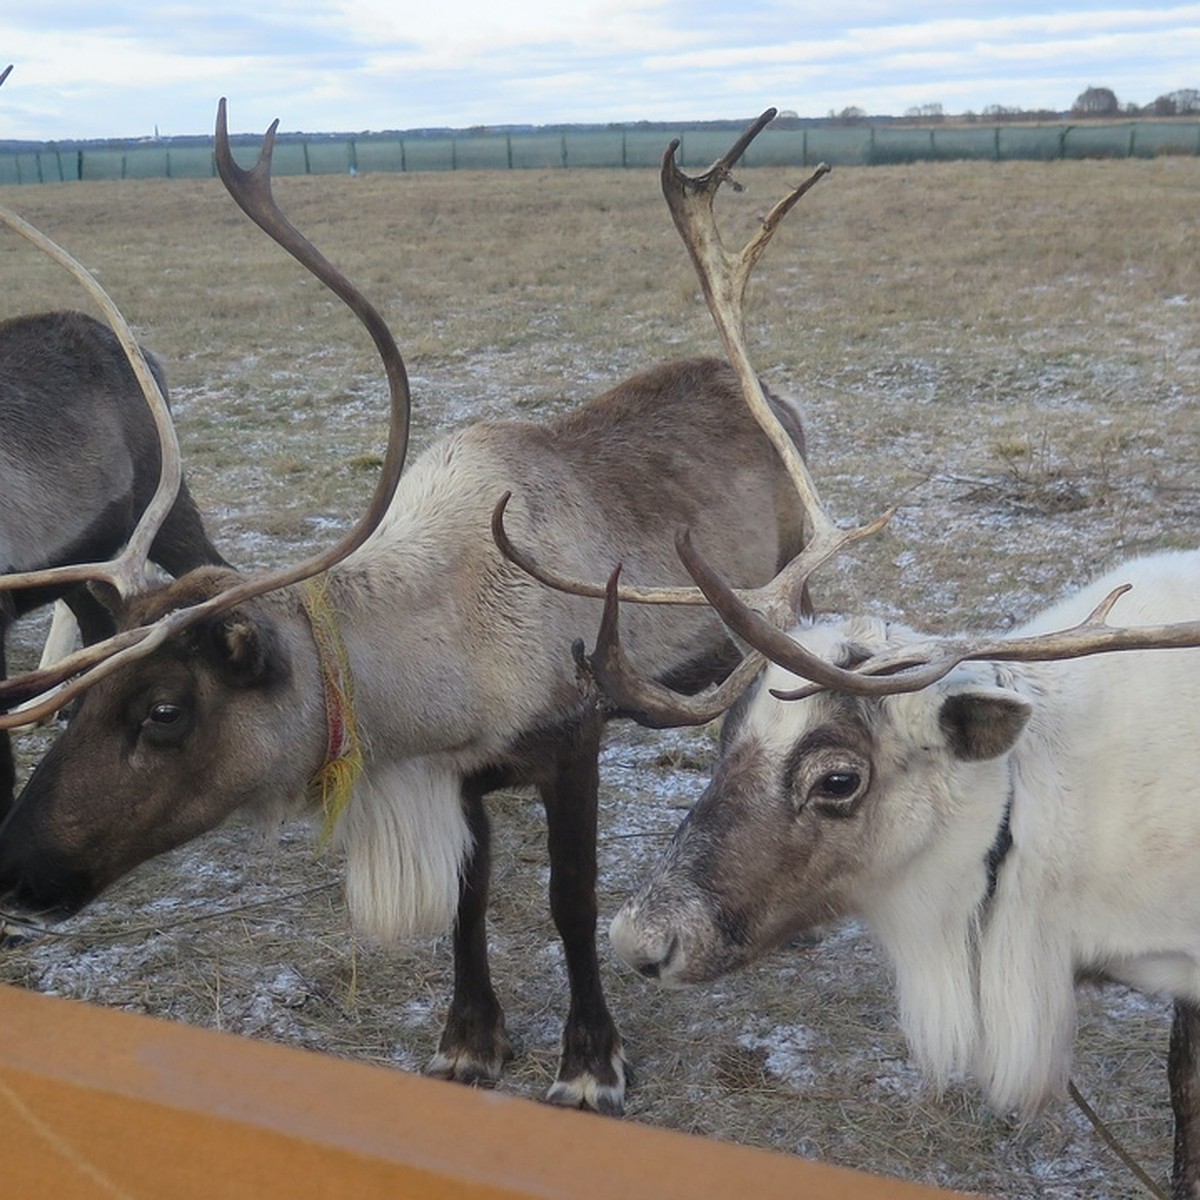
{"x": 252, "y": 191}
{"x": 760, "y": 616}
{"x": 724, "y": 277}
{"x": 126, "y": 571}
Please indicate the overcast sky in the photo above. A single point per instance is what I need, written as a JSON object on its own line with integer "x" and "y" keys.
{"x": 128, "y": 68}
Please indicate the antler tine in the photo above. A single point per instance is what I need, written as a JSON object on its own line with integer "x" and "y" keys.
{"x": 724, "y": 277}
{"x": 631, "y": 695}
{"x": 5, "y": 73}
{"x": 125, "y": 572}
{"x": 532, "y": 566}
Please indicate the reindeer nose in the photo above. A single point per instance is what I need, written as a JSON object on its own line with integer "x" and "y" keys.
{"x": 654, "y": 968}
{"x": 648, "y": 951}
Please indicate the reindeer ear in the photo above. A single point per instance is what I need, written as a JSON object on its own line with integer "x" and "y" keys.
{"x": 981, "y": 723}
{"x": 247, "y": 652}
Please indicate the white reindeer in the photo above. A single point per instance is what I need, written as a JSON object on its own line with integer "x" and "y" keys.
{"x": 1002, "y": 832}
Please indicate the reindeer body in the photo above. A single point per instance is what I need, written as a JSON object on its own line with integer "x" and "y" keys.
{"x": 463, "y": 682}
{"x": 79, "y": 461}
{"x": 1003, "y": 832}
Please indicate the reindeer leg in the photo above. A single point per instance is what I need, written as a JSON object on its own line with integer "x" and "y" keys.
{"x": 592, "y": 1070}
{"x": 8, "y": 766}
{"x": 1183, "y": 1072}
{"x": 474, "y": 1046}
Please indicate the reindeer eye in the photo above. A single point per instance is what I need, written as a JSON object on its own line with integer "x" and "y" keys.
{"x": 832, "y": 780}
{"x": 165, "y": 724}
{"x": 837, "y": 785}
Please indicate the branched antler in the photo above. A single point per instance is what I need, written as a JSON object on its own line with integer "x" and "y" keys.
{"x": 252, "y": 191}
{"x": 761, "y": 616}
{"x": 126, "y": 571}
{"x": 724, "y": 277}
{"x": 919, "y": 664}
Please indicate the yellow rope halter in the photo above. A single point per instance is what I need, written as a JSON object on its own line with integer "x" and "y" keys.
{"x": 333, "y": 784}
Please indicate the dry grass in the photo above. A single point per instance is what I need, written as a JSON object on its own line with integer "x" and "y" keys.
{"x": 1011, "y": 349}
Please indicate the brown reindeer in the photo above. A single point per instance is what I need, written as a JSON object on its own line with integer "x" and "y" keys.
{"x": 224, "y": 693}
{"x": 1006, "y": 814}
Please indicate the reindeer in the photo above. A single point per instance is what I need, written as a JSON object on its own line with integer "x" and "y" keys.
{"x": 1006, "y": 814}
{"x": 410, "y": 670}
{"x": 79, "y": 462}
{"x": 74, "y": 422}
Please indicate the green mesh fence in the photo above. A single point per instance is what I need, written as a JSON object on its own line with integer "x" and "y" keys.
{"x": 852, "y": 144}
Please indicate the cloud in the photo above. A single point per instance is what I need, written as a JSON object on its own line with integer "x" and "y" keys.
{"x": 128, "y": 67}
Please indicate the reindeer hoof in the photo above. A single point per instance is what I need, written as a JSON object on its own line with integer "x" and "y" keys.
{"x": 471, "y": 1064}
{"x": 587, "y": 1090}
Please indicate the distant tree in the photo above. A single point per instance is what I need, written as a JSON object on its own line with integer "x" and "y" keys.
{"x": 849, "y": 114}
{"x": 1000, "y": 112}
{"x": 1096, "y": 102}
{"x": 926, "y": 112}
{"x": 1179, "y": 103}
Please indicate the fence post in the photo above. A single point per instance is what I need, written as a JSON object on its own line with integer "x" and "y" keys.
{"x": 403, "y": 163}
{"x": 563, "y": 141}
{"x": 1062, "y": 141}
{"x": 508, "y": 149}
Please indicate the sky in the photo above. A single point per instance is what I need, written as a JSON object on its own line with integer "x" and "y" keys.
{"x": 128, "y": 68}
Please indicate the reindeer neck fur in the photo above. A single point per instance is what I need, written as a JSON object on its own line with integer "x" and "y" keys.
{"x": 421, "y": 604}
{"x": 401, "y": 827}
{"x": 1097, "y": 882}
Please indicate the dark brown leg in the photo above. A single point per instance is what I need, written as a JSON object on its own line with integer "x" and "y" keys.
{"x": 1183, "y": 1072}
{"x": 474, "y": 1045}
{"x": 8, "y": 767}
{"x": 591, "y": 1073}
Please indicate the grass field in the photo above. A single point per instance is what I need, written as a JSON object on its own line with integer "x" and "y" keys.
{"x": 1011, "y": 351}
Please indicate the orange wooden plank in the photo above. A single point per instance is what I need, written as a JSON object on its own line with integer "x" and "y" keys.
{"x": 97, "y": 1104}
